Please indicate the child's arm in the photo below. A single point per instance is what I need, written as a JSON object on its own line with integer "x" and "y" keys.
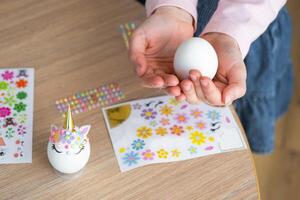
{"x": 244, "y": 20}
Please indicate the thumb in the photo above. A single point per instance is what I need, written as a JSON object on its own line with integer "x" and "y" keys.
{"x": 137, "y": 48}
{"x": 236, "y": 87}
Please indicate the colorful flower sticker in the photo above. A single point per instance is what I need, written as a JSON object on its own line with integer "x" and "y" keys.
{"x": 21, "y": 95}
{"x": 164, "y": 121}
{"x": 136, "y": 106}
{"x": 166, "y": 110}
{"x": 131, "y": 158}
{"x": 20, "y": 107}
{"x": 9, "y": 100}
{"x": 153, "y": 123}
{"x": 181, "y": 118}
{"x": 162, "y": 154}
{"x": 149, "y": 113}
{"x": 148, "y": 155}
{"x": 211, "y": 139}
{"x": 173, "y": 101}
{"x": 122, "y": 150}
{"x": 21, "y": 129}
{"x": 144, "y": 132}
{"x": 22, "y": 118}
{"x": 10, "y": 132}
{"x": 4, "y": 112}
{"x": 7, "y": 75}
{"x": 3, "y": 85}
{"x": 196, "y": 113}
{"x": 177, "y": 130}
{"x": 213, "y": 115}
{"x": 161, "y": 131}
{"x": 21, "y": 83}
{"x": 189, "y": 128}
{"x": 192, "y": 150}
{"x": 201, "y": 125}
{"x": 138, "y": 144}
{"x": 197, "y": 138}
{"x": 175, "y": 153}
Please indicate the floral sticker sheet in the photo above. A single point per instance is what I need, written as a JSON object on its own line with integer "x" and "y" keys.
{"x": 16, "y": 111}
{"x": 161, "y": 129}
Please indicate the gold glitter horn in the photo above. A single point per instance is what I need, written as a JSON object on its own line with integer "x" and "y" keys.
{"x": 69, "y": 122}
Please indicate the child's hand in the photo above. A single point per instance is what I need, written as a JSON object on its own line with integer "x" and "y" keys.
{"x": 154, "y": 43}
{"x": 229, "y": 83}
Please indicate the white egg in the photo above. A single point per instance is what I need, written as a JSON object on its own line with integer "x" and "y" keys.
{"x": 195, "y": 53}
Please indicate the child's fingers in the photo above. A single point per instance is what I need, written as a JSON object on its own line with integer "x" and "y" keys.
{"x": 195, "y": 76}
{"x": 211, "y": 92}
{"x": 173, "y": 91}
{"x": 137, "y": 49}
{"x": 188, "y": 89}
{"x": 152, "y": 81}
{"x": 233, "y": 92}
{"x": 237, "y": 83}
{"x": 169, "y": 79}
{"x": 181, "y": 97}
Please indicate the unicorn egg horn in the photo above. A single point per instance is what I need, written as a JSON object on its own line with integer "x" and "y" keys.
{"x": 69, "y": 122}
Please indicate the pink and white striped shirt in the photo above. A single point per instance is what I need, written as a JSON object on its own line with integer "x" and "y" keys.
{"x": 244, "y": 20}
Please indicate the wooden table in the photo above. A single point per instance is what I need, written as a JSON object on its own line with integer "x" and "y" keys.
{"x": 75, "y": 45}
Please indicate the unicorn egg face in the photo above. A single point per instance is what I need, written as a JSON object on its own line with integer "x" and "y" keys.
{"x": 68, "y": 151}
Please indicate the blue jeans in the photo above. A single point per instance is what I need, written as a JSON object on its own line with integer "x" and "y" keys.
{"x": 269, "y": 78}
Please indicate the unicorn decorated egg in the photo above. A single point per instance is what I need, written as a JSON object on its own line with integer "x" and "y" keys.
{"x": 68, "y": 147}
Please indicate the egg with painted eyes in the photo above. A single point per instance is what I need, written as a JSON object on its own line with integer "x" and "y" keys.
{"x": 68, "y": 151}
{"x": 195, "y": 53}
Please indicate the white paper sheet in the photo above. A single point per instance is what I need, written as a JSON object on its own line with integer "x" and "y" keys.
{"x": 160, "y": 129}
{"x": 16, "y": 113}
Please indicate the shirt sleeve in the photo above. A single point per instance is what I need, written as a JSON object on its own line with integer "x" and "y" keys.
{"x": 188, "y": 5}
{"x": 244, "y": 20}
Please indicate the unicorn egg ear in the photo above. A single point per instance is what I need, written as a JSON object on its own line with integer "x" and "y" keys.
{"x": 85, "y": 129}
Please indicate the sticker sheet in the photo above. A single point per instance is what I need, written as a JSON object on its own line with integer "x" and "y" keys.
{"x": 161, "y": 129}
{"x": 16, "y": 111}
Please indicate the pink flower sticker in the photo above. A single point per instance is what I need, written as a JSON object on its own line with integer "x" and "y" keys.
{"x": 4, "y": 112}
{"x": 7, "y": 75}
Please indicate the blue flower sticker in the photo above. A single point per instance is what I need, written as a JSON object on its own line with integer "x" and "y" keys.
{"x": 131, "y": 158}
{"x": 138, "y": 144}
{"x": 213, "y": 115}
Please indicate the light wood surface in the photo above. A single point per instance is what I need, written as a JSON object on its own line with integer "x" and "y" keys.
{"x": 75, "y": 45}
{"x": 279, "y": 173}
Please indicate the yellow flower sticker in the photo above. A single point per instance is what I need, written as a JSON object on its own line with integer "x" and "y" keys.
{"x": 197, "y": 138}
{"x": 166, "y": 110}
{"x": 173, "y": 101}
{"x": 122, "y": 150}
{"x": 162, "y": 154}
{"x": 144, "y": 132}
{"x": 189, "y": 128}
{"x": 161, "y": 131}
{"x": 175, "y": 153}
{"x": 211, "y": 139}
